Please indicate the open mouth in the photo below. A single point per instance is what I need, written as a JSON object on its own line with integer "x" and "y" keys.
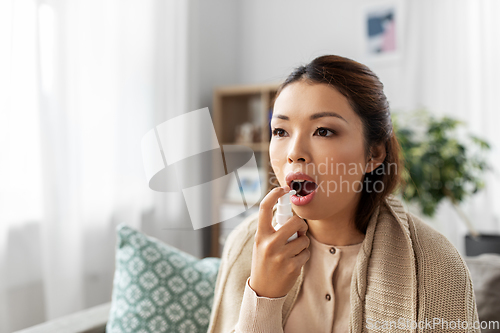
{"x": 303, "y": 187}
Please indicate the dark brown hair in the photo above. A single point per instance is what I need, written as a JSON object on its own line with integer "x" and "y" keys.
{"x": 365, "y": 94}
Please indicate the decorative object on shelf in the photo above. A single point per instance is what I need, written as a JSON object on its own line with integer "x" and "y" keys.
{"x": 247, "y": 133}
{"x": 439, "y": 163}
{"x": 484, "y": 243}
{"x": 257, "y": 133}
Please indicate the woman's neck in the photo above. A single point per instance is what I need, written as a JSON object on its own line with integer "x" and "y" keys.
{"x": 337, "y": 231}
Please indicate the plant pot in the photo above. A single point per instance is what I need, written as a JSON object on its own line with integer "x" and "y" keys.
{"x": 486, "y": 243}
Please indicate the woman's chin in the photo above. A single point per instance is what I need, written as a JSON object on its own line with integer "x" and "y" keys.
{"x": 319, "y": 208}
{"x": 308, "y": 212}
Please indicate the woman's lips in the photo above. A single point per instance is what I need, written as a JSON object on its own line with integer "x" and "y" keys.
{"x": 297, "y": 176}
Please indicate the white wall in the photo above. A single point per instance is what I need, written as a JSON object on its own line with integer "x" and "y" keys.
{"x": 215, "y": 36}
{"x": 256, "y": 41}
{"x": 276, "y": 36}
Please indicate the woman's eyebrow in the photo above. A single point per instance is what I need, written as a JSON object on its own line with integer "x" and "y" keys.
{"x": 314, "y": 116}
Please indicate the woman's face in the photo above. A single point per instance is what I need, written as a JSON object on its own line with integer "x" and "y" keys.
{"x": 316, "y": 132}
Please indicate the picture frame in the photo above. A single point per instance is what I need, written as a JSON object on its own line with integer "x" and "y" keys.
{"x": 382, "y": 31}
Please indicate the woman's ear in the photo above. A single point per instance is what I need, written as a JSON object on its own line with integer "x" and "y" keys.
{"x": 376, "y": 157}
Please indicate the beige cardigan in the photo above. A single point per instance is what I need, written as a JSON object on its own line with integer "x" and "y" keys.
{"x": 406, "y": 275}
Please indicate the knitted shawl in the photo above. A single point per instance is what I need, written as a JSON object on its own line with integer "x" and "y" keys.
{"x": 407, "y": 278}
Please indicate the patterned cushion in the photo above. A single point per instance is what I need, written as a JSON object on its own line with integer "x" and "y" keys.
{"x": 158, "y": 288}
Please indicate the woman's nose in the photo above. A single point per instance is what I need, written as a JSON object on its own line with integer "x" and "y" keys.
{"x": 301, "y": 159}
{"x": 298, "y": 153}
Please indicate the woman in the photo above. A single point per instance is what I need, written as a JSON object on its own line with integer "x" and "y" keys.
{"x": 360, "y": 263}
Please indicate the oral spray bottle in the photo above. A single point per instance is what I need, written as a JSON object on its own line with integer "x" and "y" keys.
{"x": 284, "y": 212}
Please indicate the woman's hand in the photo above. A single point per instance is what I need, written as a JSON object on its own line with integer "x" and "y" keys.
{"x": 276, "y": 264}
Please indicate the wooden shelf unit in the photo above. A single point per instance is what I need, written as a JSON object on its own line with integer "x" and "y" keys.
{"x": 233, "y": 106}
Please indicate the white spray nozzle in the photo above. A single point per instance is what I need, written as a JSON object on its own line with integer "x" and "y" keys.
{"x": 285, "y": 199}
{"x": 284, "y": 211}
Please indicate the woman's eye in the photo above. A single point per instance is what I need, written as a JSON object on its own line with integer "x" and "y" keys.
{"x": 278, "y": 131}
{"x": 322, "y": 131}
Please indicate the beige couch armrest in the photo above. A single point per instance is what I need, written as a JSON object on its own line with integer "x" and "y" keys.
{"x": 91, "y": 320}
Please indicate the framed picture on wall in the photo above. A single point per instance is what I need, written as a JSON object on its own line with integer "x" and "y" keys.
{"x": 382, "y": 31}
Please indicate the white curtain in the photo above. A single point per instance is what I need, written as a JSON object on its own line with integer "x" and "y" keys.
{"x": 81, "y": 82}
{"x": 451, "y": 67}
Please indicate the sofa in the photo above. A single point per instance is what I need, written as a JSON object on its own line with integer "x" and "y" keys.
{"x": 91, "y": 320}
{"x": 484, "y": 269}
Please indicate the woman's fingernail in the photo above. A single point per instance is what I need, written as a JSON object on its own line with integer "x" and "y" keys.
{"x": 287, "y": 188}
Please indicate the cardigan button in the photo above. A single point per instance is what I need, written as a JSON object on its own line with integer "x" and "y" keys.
{"x": 332, "y": 250}
{"x": 328, "y": 297}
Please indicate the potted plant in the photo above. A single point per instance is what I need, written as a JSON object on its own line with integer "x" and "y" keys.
{"x": 443, "y": 164}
